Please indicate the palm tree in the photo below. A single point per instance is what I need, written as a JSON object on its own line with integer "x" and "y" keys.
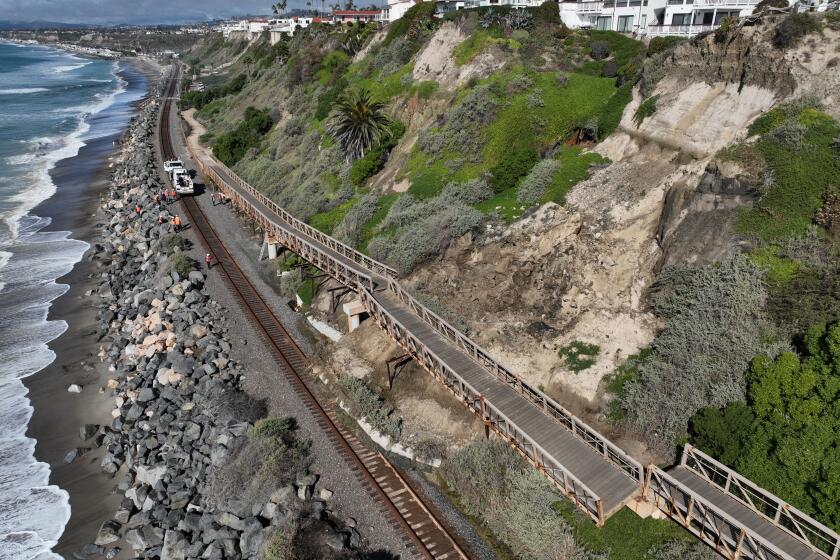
{"x": 357, "y": 123}
{"x": 280, "y": 7}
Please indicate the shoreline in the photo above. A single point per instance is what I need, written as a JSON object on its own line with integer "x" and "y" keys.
{"x": 58, "y": 414}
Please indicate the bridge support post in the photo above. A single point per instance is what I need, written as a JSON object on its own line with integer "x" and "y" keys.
{"x": 272, "y": 245}
{"x": 394, "y": 366}
{"x": 354, "y": 311}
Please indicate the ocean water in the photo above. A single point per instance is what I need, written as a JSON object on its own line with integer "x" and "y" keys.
{"x": 52, "y": 103}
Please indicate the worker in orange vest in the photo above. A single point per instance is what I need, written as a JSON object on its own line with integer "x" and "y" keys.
{"x": 138, "y": 210}
{"x": 207, "y": 260}
{"x": 177, "y": 222}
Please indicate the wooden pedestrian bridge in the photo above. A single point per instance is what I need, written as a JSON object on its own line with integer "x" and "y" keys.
{"x": 731, "y": 514}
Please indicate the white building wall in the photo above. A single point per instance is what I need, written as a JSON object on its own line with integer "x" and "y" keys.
{"x": 398, "y": 8}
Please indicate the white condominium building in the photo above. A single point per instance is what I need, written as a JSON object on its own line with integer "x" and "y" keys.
{"x": 690, "y": 17}
{"x": 653, "y": 17}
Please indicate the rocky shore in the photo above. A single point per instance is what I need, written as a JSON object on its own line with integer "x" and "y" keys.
{"x": 202, "y": 476}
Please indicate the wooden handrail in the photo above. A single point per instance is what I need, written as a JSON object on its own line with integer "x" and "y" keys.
{"x": 807, "y": 529}
{"x": 583, "y": 431}
{"x": 472, "y": 396}
{"x": 662, "y": 485}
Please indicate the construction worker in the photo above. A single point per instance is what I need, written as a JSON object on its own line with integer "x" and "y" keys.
{"x": 138, "y": 210}
{"x": 208, "y": 260}
{"x": 177, "y": 222}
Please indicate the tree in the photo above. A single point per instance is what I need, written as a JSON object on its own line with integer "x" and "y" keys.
{"x": 792, "y": 446}
{"x": 357, "y": 123}
{"x": 280, "y": 7}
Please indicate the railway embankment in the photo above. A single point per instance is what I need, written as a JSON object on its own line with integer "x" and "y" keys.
{"x": 202, "y": 472}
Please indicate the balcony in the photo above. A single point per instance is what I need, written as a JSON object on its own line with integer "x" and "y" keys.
{"x": 725, "y": 3}
{"x": 679, "y": 30}
{"x": 589, "y": 7}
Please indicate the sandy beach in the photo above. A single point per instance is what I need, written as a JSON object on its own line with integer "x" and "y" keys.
{"x": 59, "y": 414}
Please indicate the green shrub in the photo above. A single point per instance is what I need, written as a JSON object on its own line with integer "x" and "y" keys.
{"x": 372, "y": 407}
{"x": 273, "y": 428}
{"x": 788, "y": 439}
{"x": 599, "y": 50}
{"x": 327, "y": 221}
{"x": 578, "y": 356}
{"x": 513, "y": 166}
{"x": 793, "y": 28}
{"x": 375, "y": 158}
{"x": 796, "y": 142}
{"x": 534, "y": 186}
{"x": 270, "y": 457}
{"x": 290, "y": 282}
{"x": 199, "y": 99}
{"x": 727, "y": 25}
{"x": 779, "y": 270}
{"x": 645, "y": 109}
{"x": 433, "y": 225}
{"x": 172, "y": 242}
{"x": 664, "y": 44}
{"x": 350, "y": 229}
{"x": 461, "y": 132}
{"x": 231, "y": 146}
{"x": 427, "y": 88}
{"x": 763, "y": 5}
{"x": 468, "y": 192}
{"x": 682, "y": 550}
{"x": 514, "y": 501}
{"x": 616, "y": 383}
{"x": 182, "y": 264}
{"x": 715, "y": 322}
{"x": 416, "y": 19}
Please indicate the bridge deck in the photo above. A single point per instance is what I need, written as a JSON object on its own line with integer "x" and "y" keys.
{"x": 751, "y": 520}
{"x": 612, "y": 485}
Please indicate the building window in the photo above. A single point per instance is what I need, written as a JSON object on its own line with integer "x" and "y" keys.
{"x": 625, "y": 24}
{"x": 604, "y": 23}
{"x": 681, "y": 19}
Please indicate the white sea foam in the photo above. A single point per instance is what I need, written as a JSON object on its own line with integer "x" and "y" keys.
{"x": 37, "y": 259}
{"x": 50, "y": 151}
{"x": 69, "y": 67}
{"x": 33, "y": 513}
{"x": 22, "y": 91}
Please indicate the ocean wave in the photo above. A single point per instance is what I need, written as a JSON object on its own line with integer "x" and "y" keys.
{"x": 70, "y": 67}
{"x": 33, "y": 513}
{"x": 48, "y": 151}
{"x": 22, "y": 91}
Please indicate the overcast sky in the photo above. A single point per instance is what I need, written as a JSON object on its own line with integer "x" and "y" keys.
{"x": 134, "y": 11}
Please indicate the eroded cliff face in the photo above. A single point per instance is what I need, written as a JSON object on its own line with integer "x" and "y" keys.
{"x": 581, "y": 272}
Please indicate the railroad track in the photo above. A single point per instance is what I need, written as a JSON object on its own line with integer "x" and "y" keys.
{"x": 407, "y": 513}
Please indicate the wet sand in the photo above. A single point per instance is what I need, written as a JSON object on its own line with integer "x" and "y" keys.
{"x": 58, "y": 413}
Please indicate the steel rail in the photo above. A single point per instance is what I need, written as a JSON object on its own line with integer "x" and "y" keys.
{"x": 408, "y": 515}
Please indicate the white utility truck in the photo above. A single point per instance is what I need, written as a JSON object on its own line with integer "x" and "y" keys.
{"x": 172, "y": 165}
{"x": 182, "y": 181}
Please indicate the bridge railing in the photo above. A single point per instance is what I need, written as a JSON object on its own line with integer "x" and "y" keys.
{"x": 728, "y": 536}
{"x": 783, "y": 515}
{"x": 587, "y": 434}
{"x": 347, "y": 275}
{"x": 345, "y": 250}
{"x": 571, "y": 486}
